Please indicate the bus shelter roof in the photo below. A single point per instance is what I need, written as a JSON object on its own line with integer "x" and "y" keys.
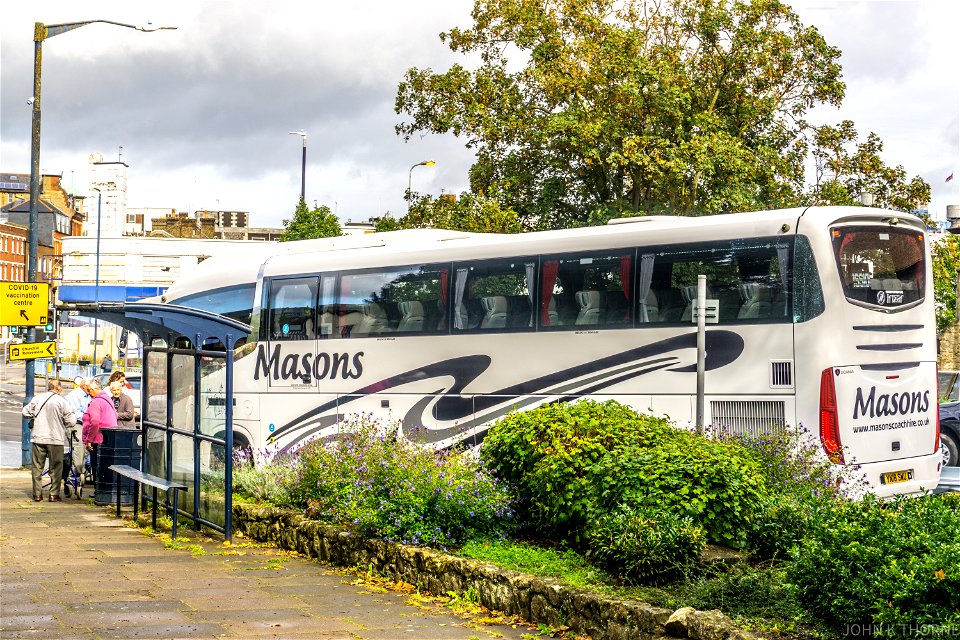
{"x": 162, "y": 320}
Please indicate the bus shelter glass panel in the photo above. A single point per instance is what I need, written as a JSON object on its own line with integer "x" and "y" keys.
{"x": 156, "y": 452}
{"x": 212, "y": 483}
{"x": 155, "y": 393}
{"x": 181, "y": 452}
{"x": 182, "y": 392}
{"x": 213, "y": 396}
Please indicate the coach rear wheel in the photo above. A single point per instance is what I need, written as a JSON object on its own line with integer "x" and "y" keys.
{"x": 950, "y": 448}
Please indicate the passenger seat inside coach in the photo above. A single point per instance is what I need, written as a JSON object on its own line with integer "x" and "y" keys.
{"x": 372, "y": 321}
{"x": 495, "y": 312}
{"x": 411, "y": 315}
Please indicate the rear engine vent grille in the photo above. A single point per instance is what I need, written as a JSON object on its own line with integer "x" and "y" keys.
{"x": 781, "y": 374}
{"x": 748, "y": 417}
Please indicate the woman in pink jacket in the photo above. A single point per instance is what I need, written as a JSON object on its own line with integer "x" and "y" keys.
{"x": 100, "y": 413}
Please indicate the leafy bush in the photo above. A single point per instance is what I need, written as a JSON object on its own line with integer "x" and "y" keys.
{"x": 799, "y": 482}
{"x": 546, "y": 454}
{"x": 388, "y": 488}
{"x": 883, "y": 563}
{"x": 712, "y": 483}
{"x": 644, "y": 545}
{"x": 575, "y": 463}
{"x": 793, "y": 464}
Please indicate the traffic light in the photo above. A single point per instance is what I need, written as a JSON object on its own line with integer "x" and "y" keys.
{"x": 51, "y": 321}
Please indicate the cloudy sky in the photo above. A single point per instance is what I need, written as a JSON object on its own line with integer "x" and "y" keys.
{"x": 203, "y": 113}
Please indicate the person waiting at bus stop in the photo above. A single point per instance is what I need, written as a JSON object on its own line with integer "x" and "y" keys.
{"x": 126, "y": 415}
{"x": 51, "y": 415}
{"x": 78, "y": 399}
{"x": 100, "y": 413}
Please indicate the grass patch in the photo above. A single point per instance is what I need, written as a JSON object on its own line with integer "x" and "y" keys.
{"x": 757, "y": 597}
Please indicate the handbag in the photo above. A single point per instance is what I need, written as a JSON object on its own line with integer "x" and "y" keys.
{"x": 30, "y": 421}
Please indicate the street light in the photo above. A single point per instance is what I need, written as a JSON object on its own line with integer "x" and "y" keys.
{"x": 423, "y": 163}
{"x": 303, "y": 167}
{"x": 96, "y": 286}
{"x": 40, "y": 33}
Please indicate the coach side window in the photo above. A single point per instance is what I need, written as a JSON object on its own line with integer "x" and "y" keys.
{"x": 494, "y": 295}
{"x": 401, "y": 300}
{"x": 586, "y": 290}
{"x": 291, "y": 311}
{"x": 747, "y": 281}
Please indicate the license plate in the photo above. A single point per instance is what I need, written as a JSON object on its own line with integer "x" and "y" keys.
{"x": 895, "y": 476}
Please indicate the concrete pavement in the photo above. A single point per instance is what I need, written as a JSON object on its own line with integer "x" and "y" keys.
{"x": 70, "y": 570}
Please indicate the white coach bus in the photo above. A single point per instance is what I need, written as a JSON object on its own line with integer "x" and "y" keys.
{"x": 824, "y": 319}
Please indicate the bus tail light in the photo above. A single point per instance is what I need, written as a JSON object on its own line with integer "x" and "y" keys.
{"x": 936, "y": 441}
{"x": 829, "y": 419}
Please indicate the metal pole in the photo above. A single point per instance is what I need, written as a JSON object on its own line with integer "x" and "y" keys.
{"x": 228, "y": 442}
{"x": 196, "y": 430}
{"x": 39, "y": 34}
{"x": 303, "y": 172}
{"x": 96, "y": 288}
{"x": 701, "y": 346}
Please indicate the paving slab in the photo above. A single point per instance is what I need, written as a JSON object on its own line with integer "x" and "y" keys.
{"x": 73, "y": 570}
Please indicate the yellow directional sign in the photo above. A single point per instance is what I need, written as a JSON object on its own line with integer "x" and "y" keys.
{"x": 31, "y": 350}
{"x": 24, "y": 304}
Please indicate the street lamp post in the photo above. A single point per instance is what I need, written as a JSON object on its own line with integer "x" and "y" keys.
{"x": 423, "y": 163}
{"x": 40, "y": 33}
{"x": 303, "y": 165}
{"x": 96, "y": 280}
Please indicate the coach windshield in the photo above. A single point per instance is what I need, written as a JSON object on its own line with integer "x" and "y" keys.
{"x": 881, "y": 267}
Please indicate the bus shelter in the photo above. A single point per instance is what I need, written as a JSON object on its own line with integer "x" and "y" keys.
{"x": 187, "y": 405}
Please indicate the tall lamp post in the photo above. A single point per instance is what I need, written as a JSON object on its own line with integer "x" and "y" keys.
{"x": 423, "y": 163}
{"x": 303, "y": 164}
{"x": 40, "y": 33}
{"x": 96, "y": 281}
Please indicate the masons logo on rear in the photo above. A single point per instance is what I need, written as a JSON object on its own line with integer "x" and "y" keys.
{"x": 889, "y": 404}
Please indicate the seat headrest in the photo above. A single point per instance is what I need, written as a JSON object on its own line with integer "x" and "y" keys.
{"x": 589, "y": 299}
{"x": 373, "y": 309}
{"x": 494, "y": 304}
{"x": 411, "y": 308}
{"x": 748, "y": 291}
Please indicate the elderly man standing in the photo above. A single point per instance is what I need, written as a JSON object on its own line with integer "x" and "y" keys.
{"x": 78, "y": 399}
{"x": 51, "y": 416}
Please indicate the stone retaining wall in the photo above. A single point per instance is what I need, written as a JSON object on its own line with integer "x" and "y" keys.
{"x": 537, "y": 600}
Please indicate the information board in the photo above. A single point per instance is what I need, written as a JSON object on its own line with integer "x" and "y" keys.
{"x": 31, "y": 350}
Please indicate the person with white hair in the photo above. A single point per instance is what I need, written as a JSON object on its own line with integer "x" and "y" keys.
{"x": 100, "y": 413}
{"x": 78, "y": 399}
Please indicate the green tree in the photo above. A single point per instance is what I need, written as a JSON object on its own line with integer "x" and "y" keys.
{"x": 946, "y": 267}
{"x": 846, "y": 169}
{"x": 468, "y": 212}
{"x": 307, "y": 224}
{"x": 610, "y": 107}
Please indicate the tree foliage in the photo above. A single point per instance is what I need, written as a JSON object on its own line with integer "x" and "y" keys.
{"x": 468, "y": 212}
{"x": 946, "y": 267}
{"x": 846, "y": 170}
{"x": 319, "y": 222}
{"x": 686, "y": 106}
